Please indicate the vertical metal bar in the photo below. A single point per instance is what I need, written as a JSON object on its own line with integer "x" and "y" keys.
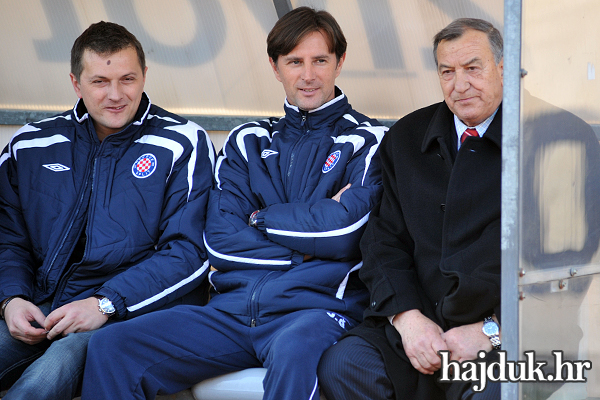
{"x": 511, "y": 107}
{"x": 282, "y": 7}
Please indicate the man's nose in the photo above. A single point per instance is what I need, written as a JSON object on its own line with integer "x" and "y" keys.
{"x": 308, "y": 74}
{"x": 462, "y": 81}
{"x": 115, "y": 91}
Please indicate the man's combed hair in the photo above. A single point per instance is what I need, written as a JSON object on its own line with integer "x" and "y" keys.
{"x": 104, "y": 38}
{"x": 293, "y": 27}
{"x": 458, "y": 27}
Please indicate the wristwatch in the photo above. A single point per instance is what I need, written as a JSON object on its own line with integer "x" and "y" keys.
{"x": 105, "y": 306}
{"x": 492, "y": 330}
{"x": 4, "y": 303}
{"x": 252, "y": 221}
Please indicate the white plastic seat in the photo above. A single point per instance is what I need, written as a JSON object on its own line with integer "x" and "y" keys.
{"x": 241, "y": 385}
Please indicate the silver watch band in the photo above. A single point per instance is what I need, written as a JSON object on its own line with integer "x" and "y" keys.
{"x": 495, "y": 342}
{"x": 494, "y": 338}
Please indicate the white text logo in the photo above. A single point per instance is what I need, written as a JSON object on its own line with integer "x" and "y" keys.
{"x": 56, "y": 167}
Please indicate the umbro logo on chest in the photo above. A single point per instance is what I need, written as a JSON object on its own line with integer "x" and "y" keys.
{"x": 266, "y": 153}
{"x": 56, "y": 167}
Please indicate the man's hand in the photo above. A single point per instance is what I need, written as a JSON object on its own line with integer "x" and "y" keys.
{"x": 19, "y": 314}
{"x": 465, "y": 341}
{"x": 338, "y": 195}
{"x": 78, "y": 316}
{"x": 422, "y": 339}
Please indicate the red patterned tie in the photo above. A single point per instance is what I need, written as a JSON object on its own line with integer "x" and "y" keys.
{"x": 467, "y": 133}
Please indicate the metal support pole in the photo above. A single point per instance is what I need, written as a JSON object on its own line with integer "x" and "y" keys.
{"x": 511, "y": 107}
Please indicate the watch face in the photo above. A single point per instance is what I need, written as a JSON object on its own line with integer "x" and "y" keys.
{"x": 491, "y": 328}
{"x": 107, "y": 306}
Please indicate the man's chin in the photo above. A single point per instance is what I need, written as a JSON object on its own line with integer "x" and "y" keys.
{"x": 466, "y": 114}
{"x": 309, "y": 105}
{"x": 114, "y": 126}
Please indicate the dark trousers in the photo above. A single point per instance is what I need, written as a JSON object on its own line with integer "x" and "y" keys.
{"x": 354, "y": 369}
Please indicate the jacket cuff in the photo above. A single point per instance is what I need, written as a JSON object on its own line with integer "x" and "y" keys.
{"x": 16, "y": 290}
{"x": 386, "y": 302}
{"x": 260, "y": 220}
{"x": 115, "y": 299}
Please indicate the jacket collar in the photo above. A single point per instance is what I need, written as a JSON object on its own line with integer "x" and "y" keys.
{"x": 442, "y": 124}
{"x": 325, "y": 115}
{"x": 81, "y": 114}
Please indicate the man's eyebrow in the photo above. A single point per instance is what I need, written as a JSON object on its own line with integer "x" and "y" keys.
{"x": 91, "y": 78}
{"x": 471, "y": 61}
{"x": 322, "y": 56}
{"x": 291, "y": 58}
{"x": 297, "y": 58}
{"x": 132, "y": 73}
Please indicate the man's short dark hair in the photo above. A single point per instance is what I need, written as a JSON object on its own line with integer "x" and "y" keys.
{"x": 289, "y": 31}
{"x": 459, "y": 26}
{"x": 104, "y": 38}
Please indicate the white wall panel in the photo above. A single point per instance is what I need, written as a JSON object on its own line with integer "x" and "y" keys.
{"x": 208, "y": 57}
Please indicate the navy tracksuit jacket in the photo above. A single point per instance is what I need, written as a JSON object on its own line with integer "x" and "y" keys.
{"x": 139, "y": 197}
{"x": 289, "y": 169}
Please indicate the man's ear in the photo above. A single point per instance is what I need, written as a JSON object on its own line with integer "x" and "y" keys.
{"x": 275, "y": 70}
{"x": 76, "y": 85}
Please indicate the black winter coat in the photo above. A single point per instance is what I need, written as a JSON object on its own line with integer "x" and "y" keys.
{"x": 433, "y": 243}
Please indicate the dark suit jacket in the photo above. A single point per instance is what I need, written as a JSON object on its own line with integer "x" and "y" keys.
{"x": 433, "y": 243}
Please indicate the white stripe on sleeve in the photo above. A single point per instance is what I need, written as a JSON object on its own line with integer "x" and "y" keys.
{"x": 342, "y": 287}
{"x": 336, "y": 232}
{"x": 257, "y": 131}
{"x": 170, "y": 290}
{"x": 41, "y": 142}
{"x": 3, "y": 158}
{"x": 246, "y": 260}
{"x": 190, "y": 131}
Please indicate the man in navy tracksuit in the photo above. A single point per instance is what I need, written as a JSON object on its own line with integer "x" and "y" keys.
{"x": 283, "y": 226}
{"x": 102, "y": 210}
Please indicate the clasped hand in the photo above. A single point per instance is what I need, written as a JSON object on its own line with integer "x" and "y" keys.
{"x": 78, "y": 316}
{"x": 422, "y": 339}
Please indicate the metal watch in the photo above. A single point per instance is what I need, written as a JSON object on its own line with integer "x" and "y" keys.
{"x": 492, "y": 331}
{"x": 105, "y": 306}
{"x": 253, "y": 221}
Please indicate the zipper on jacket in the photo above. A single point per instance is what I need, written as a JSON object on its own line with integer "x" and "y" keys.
{"x": 253, "y": 298}
{"x": 62, "y": 283}
{"x": 291, "y": 163}
{"x": 302, "y": 137}
{"x": 68, "y": 231}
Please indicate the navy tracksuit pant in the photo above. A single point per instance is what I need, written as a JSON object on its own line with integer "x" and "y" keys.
{"x": 167, "y": 351}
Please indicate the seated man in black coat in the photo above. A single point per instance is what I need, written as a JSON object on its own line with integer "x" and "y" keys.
{"x": 431, "y": 250}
